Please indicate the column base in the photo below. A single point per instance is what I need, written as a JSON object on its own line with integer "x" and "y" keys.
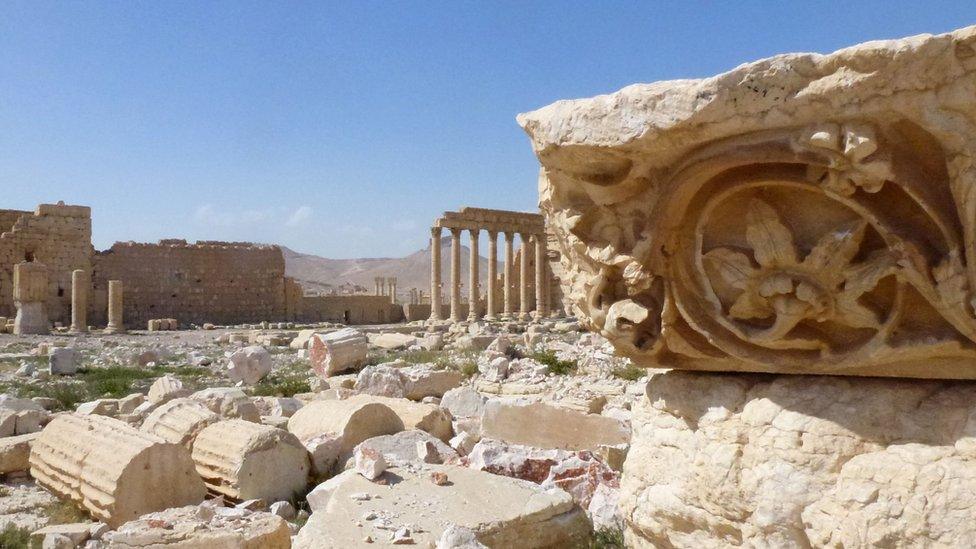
{"x": 109, "y": 330}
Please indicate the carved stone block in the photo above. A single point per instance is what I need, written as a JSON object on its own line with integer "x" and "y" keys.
{"x": 800, "y": 214}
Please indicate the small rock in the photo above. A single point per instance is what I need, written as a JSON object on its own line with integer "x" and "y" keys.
{"x": 369, "y": 463}
{"x": 283, "y": 509}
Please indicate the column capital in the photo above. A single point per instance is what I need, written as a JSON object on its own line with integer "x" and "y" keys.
{"x": 509, "y": 236}
{"x": 435, "y": 232}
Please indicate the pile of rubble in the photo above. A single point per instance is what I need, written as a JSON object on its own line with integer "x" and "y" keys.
{"x": 454, "y": 435}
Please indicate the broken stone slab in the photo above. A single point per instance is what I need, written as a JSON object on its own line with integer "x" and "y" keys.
{"x": 368, "y": 462}
{"x": 249, "y": 364}
{"x": 502, "y": 512}
{"x": 63, "y": 361}
{"x": 426, "y": 417}
{"x": 112, "y": 470}
{"x": 412, "y": 382}
{"x": 203, "y": 527}
{"x": 349, "y": 421}
{"x": 401, "y": 448}
{"x": 301, "y": 340}
{"x": 338, "y": 351}
{"x": 166, "y": 388}
{"x": 229, "y": 403}
{"x": 544, "y": 426}
{"x": 179, "y": 421}
{"x": 464, "y": 402}
{"x": 101, "y": 407}
{"x": 393, "y": 341}
{"x": 15, "y": 452}
{"x": 458, "y": 537}
{"x": 241, "y": 460}
{"x": 129, "y": 403}
{"x": 76, "y": 533}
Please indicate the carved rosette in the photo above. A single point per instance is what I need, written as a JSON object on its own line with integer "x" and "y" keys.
{"x": 833, "y": 248}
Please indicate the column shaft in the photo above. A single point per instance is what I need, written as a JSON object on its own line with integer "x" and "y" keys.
{"x": 474, "y": 266}
{"x": 455, "y": 275}
{"x": 116, "y": 324}
{"x": 541, "y": 288}
{"x": 524, "y": 277}
{"x": 435, "y": 273}
{"x": 79, "y": 301}
{"x": 492, "y": 304}
{"x": 508, "y": 274}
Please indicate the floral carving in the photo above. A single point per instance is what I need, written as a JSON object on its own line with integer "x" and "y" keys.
{"x": 849, "y": 150}
{"x": 775, "y": 282}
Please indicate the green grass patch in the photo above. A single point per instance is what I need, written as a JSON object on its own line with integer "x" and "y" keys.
{"x": 13, "y": 537}
{"x": 608, "y": 538}
{"x": 284, "y": 382}
{"x": 554, "y": 365}
{"x": 467, "y": 368}
{"x": 64, "y": 512}
{"x": 4, "y": 491}
{"x": 628, "y": 372}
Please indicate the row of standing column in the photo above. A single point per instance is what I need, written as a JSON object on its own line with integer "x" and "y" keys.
{"x": 491, "y": 306}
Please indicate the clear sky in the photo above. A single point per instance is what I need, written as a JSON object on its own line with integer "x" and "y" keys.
{"x": 344, "y": 128}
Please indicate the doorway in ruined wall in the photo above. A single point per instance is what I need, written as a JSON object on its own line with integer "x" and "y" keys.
{"x": 346, "y": 316}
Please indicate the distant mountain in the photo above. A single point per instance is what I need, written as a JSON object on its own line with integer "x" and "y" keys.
{"x": 321, "y": 274}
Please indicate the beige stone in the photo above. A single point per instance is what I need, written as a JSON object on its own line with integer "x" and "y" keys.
{"x": 393, "y": 341}
{"x": 800, "y": 461}
{"x": 249, "y": 364}
{"x": 202, "y": 527}
{"x": 800, "y": 214}
{"x": 30, "y": 296}
{"x": 228, "y": 403}
{"x": 241, "y": 460}
{"x": 179, "y": 421}
{"x": 426, "y": 417}
{"x": 502, "y": 512}
{"x": 112, "y": 470}
{"x": 545, "y": 426}
{"x": 80, "y": 286}
{"x": 15, "y": 452}
{"x": 336, "y": 352}
{"x": 116, "y": 324}
{"x": 351, "y": 421}
{"x": 166, "y": 388}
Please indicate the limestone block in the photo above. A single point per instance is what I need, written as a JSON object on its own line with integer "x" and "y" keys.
{"x": 338, "y": 351}
{"x": 301, "y": 341}
{"x": 351, "y": 421}
{"x": 546, "y": 426}
{"x": 401, "y": 448}
{"x": 113, "y": 471}
{"x": 426, "y": 417}
{"x": 241, "y": 460}
{"x": 249, "y": 364}
{"x": 15, "y": 452}
{"x": 501, "y": 511}
{"x": 819, "y": 461}
{"x": 63, "y": 361}
{"x": 393, "y": 341}
{"x": 424, "y": 381}
{"x": 30, "y": 294}
{"x": 62, "y": 535}
{"x": 368, "y": 462}
{"x": 800, "y": 214}
{"x": 203, "y": 527}
{"x": 166, "y": 388}
{"x": 228, "y": 403}
{"x": 179, "y": 421}
{"x": 100, "y": 407}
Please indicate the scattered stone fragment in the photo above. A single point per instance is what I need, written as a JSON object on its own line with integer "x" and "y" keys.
{"x": 243, "y": 460}
{"x": 369, "y": 463}
{"x": 426, "y": 417}
{"x": 113, "y": 471}
{"x": 350, "y": 421}
{"x": 458, "y": 537}
{"x": 74, "y": 534}
{"x": 129, "y": 403}
{"x": 283, "y": 509}
{"x": 338, "y": 351}
{"x": 166, "y": 388}
{"x": 249, "y": 364}
{"x": 101, "y": 407}
{"x": 15, "y": 452}
{"x": 393, "y": 341}
{"x": 63, "y": 361}
{"x": 464, "y": 402}
{"x": 228, "y": 403}
{"x": 189, "y": 528}
{"x": 518, "y": 422}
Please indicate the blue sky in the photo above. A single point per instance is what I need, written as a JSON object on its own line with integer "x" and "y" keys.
{"x": 344, "y": 128}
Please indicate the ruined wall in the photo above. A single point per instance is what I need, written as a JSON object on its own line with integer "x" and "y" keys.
{"x": 350, "y": 309}
{"x": 56, "y": 235}
{"x": 218, "y": 282}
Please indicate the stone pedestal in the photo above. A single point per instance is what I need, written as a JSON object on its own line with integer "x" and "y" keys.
{"x": 116, "y": 324}
{"x": 30, "y": 294}
{"x": 80, "y": 284}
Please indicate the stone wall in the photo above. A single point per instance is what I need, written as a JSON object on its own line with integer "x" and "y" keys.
{"x": 751, "y": 460}
{"x": 56, "y": 235}
{"x": 217, "y": 282}
{"x": 350, "y": 309}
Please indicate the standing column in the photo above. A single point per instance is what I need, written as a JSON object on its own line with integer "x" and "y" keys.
{"x": 490, "y": 313}
{"x": 30, "y": 294}
{"x": 455, "y": 275}
{"x": 79, "y": 301}
{"x": 541, "y": 288}
{"x": 435, "y": 273}
{"x": 376, "y": 286}
{"x": 524, "y": 277}
{"x": 507, "y": 275}
{"x": 393, "y": 290}
{"x": 474, "y": 267}
{"x": 115, "y": 323}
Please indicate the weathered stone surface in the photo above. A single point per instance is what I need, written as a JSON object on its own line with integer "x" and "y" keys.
{"x": 401, "y": 448}
{"x": 165, "y": 389}
{"x": 62, "y": 361}
{"x": 502, "y": 512}
{"x": 249, "y": 364}
{"x": 800, "y": 214}
{"x": 113, "y": 471}
{"x": 203, "y": 527}
{"x": 426, "y": 417}
{"x": 545, "y": 426}
{"x": 179, "y": 421}
{"x": 393, "y": 341}
{"x": 15, "y": 452}
{"x": 412, "y": 382}
{"x": 241, "y": 460}
{"x": 801, "y": 461}
{"x": 464, "y": 402}
{"x": 30, "y": 295}
{"x": 228, "y": 403}
{"x": 336, "y": 352}
{"x": 351, "y": 421}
